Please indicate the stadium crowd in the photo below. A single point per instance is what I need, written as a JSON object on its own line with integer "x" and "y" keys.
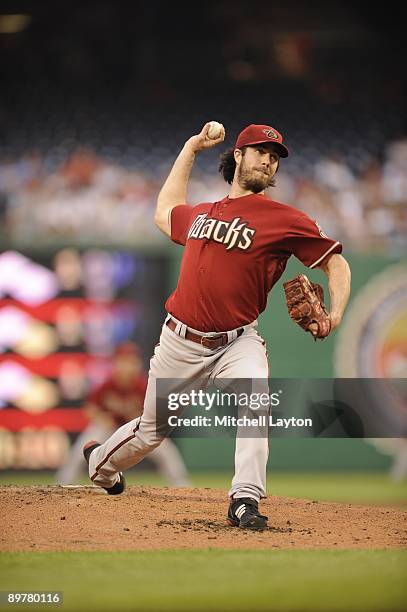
{"x": 84, "y": 196}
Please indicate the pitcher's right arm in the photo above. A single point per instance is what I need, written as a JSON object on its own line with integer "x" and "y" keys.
{"x": 174, "y": 191}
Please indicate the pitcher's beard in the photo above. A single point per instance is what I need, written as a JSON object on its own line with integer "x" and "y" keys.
{"x": 252, "y": 182}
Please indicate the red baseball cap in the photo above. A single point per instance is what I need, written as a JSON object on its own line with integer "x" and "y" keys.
{"x": 257, "y": 134}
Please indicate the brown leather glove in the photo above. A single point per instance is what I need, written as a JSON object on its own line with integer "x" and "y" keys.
{"x": 305, "y": 303}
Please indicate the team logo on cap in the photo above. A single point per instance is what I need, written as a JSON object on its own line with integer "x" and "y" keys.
{"x": 270, "y": 134}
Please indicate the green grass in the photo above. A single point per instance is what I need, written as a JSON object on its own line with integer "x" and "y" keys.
{"x": 214, "y": 579}
{"x": 356, "y": 487}
{"x": 369, "y": 488}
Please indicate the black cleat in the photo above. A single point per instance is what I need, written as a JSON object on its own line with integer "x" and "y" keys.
{"x": 244, "y": 513}
{"x": 120, "y": 485}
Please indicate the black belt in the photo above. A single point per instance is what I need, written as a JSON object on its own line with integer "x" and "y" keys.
{"x": 212, "y": 342}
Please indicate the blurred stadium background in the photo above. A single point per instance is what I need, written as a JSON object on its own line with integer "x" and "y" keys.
{"x": 96, "y": 100}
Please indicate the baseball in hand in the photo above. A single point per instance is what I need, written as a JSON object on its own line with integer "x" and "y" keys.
{"x": 215, "y": 130}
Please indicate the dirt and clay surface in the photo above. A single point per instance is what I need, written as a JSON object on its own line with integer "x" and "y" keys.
{"x": 146, "y": 518}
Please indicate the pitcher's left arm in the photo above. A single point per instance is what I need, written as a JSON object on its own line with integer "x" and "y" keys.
{"x": 339, "y": 281}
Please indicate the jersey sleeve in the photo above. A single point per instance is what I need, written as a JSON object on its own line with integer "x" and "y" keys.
{"x": 180, "y": 217}
{"x": 307, "y": 241}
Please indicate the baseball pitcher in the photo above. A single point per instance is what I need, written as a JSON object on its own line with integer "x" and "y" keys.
{"x": 235, "y": 250}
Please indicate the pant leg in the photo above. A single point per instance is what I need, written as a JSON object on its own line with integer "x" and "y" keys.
{"x": 169, "y": 462}
{"x": 70, "y": 472}
{"x": 246, "y": 358}
{"x": 174, "y": 358}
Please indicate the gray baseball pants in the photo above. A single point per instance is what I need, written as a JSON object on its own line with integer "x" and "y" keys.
{"x": 175, "y": 357}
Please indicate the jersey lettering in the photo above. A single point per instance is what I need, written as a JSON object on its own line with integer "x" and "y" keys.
{"x": 230, "y": 233}
{"x": 208, "y": 228}
{"x": 220, "y": 231}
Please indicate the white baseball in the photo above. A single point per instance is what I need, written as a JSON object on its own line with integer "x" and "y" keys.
{"x": 215, "y": 130}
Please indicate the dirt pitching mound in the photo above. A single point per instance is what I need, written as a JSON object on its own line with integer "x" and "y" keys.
{"x": 146, "y": 518}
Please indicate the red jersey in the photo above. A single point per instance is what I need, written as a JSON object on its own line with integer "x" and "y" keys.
{"x": 235, "y": 251}
{"x": 122, "y": 405}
